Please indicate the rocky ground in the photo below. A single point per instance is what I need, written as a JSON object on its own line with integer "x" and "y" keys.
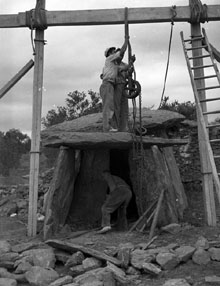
{"x": 184, "y": 254}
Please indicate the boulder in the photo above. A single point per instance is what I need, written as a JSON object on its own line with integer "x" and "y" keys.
{"x": 93, "y": 122}
{"x": 214, "y": 253}
{"x": 202, "y": 242}
{"x": 41, "y": 257}
{"x": 75, "y": 259}
{"x": 176, "y": 282}
{"x": 91, "y": 263}
{"x": 62, "y": 281}
{"x": 138, "y": 257}
{"x": 213, "y": 280}
{"x": 88, "y": 277}
{"x": 124, "y": 252}
{"x": 152, "y": 269}
{"x": 8, "y": 282}
{"x": 201, "y": 257}
{"x": 4, "y": 246}
{"x": 39, "y": 276}
{"x": 73, "y": 133}
{"x": 167, "y": 260}
{"x": 184, "y": 252}
{"x": 6, "y": 274}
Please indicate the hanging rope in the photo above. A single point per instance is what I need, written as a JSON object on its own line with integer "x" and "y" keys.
{"x": 174, "y": 13}
{"x": 133, "y": 86}
{"x": 36, "y": 19}
{"x": 199, "y": 12}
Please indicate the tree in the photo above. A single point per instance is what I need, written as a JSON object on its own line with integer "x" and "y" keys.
{"x": 12, "y": 145}
{"x": 188, "y": 109}
{"x": 95, "y": 104}
{"x": 77, "y": 104}
{"x": 217, "y": 120}
{"x": 54, "y": 117}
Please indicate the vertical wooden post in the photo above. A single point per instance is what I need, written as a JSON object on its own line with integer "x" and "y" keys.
{"x": 36, "y": 129}
{"x": 207, "y": 181}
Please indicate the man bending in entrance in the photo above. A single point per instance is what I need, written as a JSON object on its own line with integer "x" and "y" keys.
{"x": 118, "y": 199}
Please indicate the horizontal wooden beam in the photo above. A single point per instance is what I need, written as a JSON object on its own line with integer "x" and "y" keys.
{"x": 109, "y": 140}
{"x": 109, "y": 16}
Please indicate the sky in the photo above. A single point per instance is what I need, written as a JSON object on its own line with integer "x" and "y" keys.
{"x": 74, "y": 57}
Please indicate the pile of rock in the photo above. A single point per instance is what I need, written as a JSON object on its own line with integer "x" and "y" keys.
{"x": 45, "y": 179}
{"x": 14, "y": 198}
{"x": 57, "y": 263}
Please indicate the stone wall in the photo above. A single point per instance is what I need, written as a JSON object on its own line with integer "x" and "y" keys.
{"x": 187, "y": 156}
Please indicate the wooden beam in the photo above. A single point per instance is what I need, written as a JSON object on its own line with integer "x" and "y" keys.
{"x": 208, "y": 192}
{"x": 154, "y": 222}
{"x": 109, "y": 16}
{"x": 16, "y": 78}
{"x": 93, "y": 140}
{"x": 36, "y": 129}
{"x": 72, "y": 248}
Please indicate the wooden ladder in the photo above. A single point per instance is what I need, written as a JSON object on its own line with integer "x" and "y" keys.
{"x": 203, "y": 115}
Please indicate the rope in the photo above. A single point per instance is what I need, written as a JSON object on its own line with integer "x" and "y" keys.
{"x": 32, "y": 37}
{"x": 199, "y": 12}
{"x": 173, "y": 10}
{"x": 36, "y": 18}
{"x": 133, "y": 86}
{"x": 134, "y": 90}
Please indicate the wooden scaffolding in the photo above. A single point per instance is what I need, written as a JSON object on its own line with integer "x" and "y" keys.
{"x": 39, "y": 19}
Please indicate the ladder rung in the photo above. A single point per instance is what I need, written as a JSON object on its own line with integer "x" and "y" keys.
{"x": 210, "y": 99}
{"x": 200, "y": 67}
{"x": 208, "y": 87}
{"x": 195, "y": 39}
{"x": 199, "y": 57}
{"x": 216, "y": 156}
{"x": 213, "y": 125}
{"x": 214, "y": 140}
{"x": 205, "y": 77}
{"x": 196, "y": 48}
{"x": 211, "y": 112}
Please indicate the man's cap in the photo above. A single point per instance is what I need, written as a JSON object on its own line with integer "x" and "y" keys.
{"x": 108, "y": 50}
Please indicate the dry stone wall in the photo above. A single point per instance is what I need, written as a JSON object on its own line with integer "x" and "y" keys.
{"x": 187, "y": 156}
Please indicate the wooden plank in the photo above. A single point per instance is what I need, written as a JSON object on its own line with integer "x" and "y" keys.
{"x": 109, "y": 16}
{"x": 93, "y": 140}
{"x": 36, "y": 129}
{"x": 16, "y": 78}
{"x": 170, "y": 197}
{"x": 174, "y": 173}
{"x": 154, "y": 222}
{"x": 72, "y": 247}
{"x": 117, "y": 16}
{"x": 206, "y": 168}
{"x": 173, "y": 170}
{"x": 13, "y": 21}
{"x": 141, "y": 218}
